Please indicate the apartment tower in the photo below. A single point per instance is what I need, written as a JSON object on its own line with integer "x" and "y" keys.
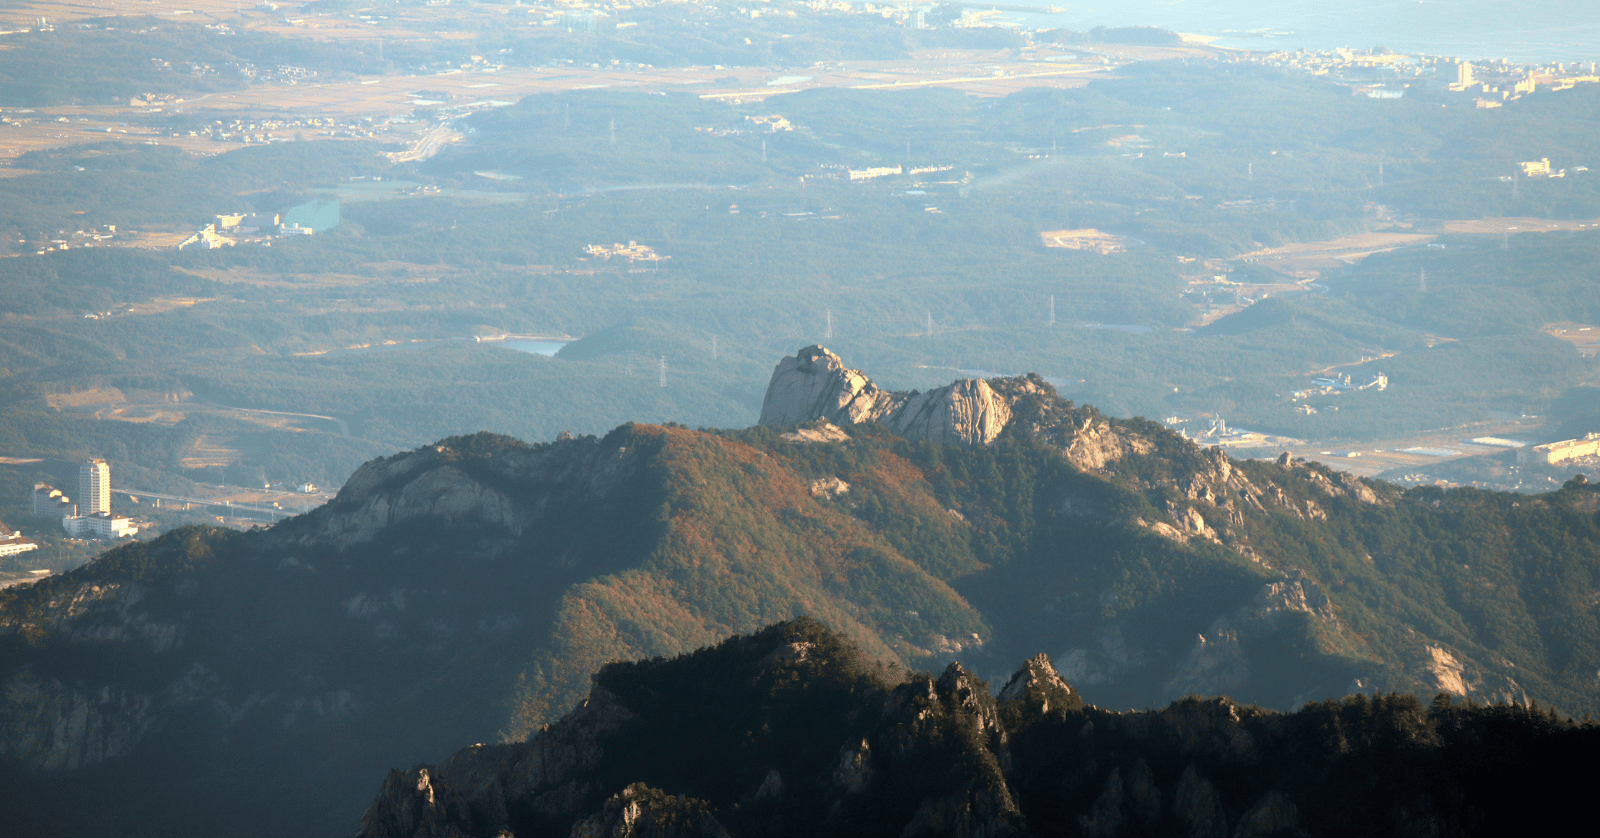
{"x": 94, "y": 487}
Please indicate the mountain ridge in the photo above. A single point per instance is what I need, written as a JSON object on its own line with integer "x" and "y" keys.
{"x": 466, "y": 590}
{"x": 789, "y": 731}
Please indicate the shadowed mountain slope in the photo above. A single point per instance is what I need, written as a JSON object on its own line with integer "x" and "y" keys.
{"x": 791, "y": 732}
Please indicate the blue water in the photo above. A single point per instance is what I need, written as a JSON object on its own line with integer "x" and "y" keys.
{"x": 535, "y": 347}
{"x": 1524, "y": 32}
{"x": 532, "y": 347}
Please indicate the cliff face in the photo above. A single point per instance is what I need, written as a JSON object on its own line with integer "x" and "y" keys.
{"x": 56, "y": 726}
{"x": 788, "y": 732}
{"x": 259, "y": 664}
{"x": 816, "y": 385}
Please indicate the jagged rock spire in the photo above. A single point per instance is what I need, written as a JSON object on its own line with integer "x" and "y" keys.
{"x": 815, "y": 384}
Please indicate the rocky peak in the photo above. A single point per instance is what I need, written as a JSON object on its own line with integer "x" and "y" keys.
{"x": 816, "y": 385}
{"x": 815, "y": 389}
{"x": 1039, "y": 687}
{"x": 969, "y": 697}
{"x": 640, "y": 811}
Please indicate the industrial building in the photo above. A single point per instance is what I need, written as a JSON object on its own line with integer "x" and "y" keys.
{"x": 875, "y": 171}
{"x": 1555, "y": 452}
{"x": 1536, "y": 168}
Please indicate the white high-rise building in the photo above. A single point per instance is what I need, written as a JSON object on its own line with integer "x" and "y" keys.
{"x": 94, "y": 487}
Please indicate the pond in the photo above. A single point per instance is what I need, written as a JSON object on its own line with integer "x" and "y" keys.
{"x": 536, "y": 346}
{"x": 533, "y": 345}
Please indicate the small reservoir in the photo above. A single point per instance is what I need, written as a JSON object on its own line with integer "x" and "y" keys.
{"x": 531, "y": 344}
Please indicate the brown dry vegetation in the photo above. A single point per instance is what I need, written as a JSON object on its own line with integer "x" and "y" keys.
{"x": 1309, "y": 259}
{"x": 1584, "y": 337}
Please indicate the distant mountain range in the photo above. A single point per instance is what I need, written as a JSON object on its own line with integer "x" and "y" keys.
{"x": 263, "y": 682}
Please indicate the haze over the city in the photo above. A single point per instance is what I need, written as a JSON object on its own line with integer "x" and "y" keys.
{"x": 707, "y": 419}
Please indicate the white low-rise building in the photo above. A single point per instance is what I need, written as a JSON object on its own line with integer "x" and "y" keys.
{"x": 12, "y": 543}
{"x": 100, "y": 525}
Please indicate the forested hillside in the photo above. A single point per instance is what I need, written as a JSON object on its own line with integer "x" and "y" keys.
{"x": 791, "y": 731}
{"x": 465, "y": 591}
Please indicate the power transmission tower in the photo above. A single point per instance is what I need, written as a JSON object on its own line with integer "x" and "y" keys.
{"x": 1052, "y": 309}
{"x": 827, "y": 333}
{"x": 928, "y": 328}
{"x": 663, "y": 370}
{"x": 763, "y": 151}
{"x": 1422, "y": 281}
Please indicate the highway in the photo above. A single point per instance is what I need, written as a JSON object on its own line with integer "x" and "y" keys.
{"x": 272, "y": 513}
{"x": 426, "y": 147}
{"x": 344, "y": 427}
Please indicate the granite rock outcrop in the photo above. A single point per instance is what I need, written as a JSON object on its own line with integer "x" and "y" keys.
{"x": 815, "y": 385}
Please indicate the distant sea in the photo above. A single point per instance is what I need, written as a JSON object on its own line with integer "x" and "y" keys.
{"x": 1535, "y": 31}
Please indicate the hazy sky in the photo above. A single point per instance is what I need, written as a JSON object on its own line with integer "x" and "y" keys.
{"x": 1521, "y": 31}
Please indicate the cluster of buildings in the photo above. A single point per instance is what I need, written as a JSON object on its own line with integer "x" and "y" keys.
{"x": 1384, "y": 74}
{"x": 768, "y": 124}
{"x": 836, "y": 171}
{"x": 632, "y": 251}
{"x": 1499, "y": 82}
{"x": 91, "y": 516}
{"x": 1336, "y": 383}
{"x": 594, "y": 16}
{"x": 64, "y": 240}
{"x": 282, "y": 73}
{"x": 229, "y": 230}
{"x": 1333, "y": 385}
{"x": 875, "y": 172}
{"x": 1216, "y": 432}
{"x": 1541, "y": 168}
{"x": 773, "y": 124}
{"x": 261, "y": 131}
